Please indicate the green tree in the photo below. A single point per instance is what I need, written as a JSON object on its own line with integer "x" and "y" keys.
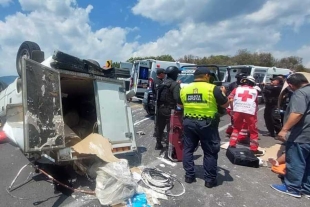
{"x": 161, "y": 57}
{"x": 243, "y": 57}
{"x": 291, "y": 62}
{"x": 116, "y": 64}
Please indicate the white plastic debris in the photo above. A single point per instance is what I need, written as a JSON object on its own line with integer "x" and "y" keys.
{"x": 115, "y": 183}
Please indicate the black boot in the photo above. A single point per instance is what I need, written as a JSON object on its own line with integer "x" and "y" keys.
{"x": 159, "y": 146}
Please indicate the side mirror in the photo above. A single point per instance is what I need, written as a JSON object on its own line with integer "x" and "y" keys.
{"x": 217, "y": 83}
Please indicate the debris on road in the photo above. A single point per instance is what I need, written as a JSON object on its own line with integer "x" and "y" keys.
{"x": 141, "y": 132}
{"x": 115, "y": 183}
{"x": 273, "y": 152}
{"x": 97, "y": 145}
{"x": 160, "y": 181}
{"x": 167, "y": 161}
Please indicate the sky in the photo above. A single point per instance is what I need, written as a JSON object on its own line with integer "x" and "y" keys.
{"x": 119, "y": 29}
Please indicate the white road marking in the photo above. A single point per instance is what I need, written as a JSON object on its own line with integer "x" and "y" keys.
{"x": 138, "y": 122}
{"x": 139, "y": 109}
{"x": 225, "y": 126}
{"x": 220, "y": 129}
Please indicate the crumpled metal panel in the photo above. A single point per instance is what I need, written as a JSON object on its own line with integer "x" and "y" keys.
{"x": 44, "y": 125}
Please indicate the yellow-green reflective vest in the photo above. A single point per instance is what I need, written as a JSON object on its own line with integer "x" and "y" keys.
{"x": 198, "y": 100}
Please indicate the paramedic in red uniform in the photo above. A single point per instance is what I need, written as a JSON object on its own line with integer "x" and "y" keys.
{"x": 245, "y": 107}
{"x": 244, "y": 131}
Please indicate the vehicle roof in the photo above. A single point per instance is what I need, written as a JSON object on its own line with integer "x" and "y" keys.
{"x": 206, "y": 65}
{"x": 256, "y": 66}
{"x": 153, "y": 60}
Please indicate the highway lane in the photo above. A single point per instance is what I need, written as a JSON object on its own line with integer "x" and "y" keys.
{"x": 238, "y": 186}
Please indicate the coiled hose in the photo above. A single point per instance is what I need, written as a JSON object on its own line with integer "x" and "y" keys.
{"x": 160, "y": 181}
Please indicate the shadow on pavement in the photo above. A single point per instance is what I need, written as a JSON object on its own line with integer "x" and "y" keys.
{"x": 222, "y": 176}
{"x": 262, "y": 131}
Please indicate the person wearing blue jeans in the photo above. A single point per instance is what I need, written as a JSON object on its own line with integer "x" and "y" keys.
{"x": 200, "y": 101}
{"x": 297, "y": 121}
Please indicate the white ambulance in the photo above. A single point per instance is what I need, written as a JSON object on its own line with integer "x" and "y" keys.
{"x": 146, "y": 72}
{"x": 260, "y": 73}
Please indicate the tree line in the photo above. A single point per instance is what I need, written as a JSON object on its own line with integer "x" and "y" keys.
{"x": 242, "y": 57}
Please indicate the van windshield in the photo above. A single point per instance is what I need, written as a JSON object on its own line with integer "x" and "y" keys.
{"x": 259, "y": 77}
{"x": 186, "y": 78}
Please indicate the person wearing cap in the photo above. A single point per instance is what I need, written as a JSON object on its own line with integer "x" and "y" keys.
{"x": 244, "y": 104}
{"x": 168, "y": 94}
{"x": 271, "y": 114}
{"x": 200, "y": 100}
{"x": 158, "y": 80}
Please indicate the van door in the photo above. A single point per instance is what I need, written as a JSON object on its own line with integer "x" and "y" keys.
{"x": 133, "y": 85}
{"x": 43, "y": 120}
{"x": 114, "y": 116}
{"x": 144, "y": 70}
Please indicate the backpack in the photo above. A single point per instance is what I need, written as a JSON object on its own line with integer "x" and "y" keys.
{"x": 165, "y": 93}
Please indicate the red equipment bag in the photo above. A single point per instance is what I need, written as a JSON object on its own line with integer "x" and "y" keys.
{"x": 175, "y": 149}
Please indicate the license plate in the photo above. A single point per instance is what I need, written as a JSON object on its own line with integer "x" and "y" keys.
{"x": 144, "y": 85}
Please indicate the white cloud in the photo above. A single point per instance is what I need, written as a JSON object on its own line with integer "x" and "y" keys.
{"x": 62, "y": 25}
{"x": 169, "y": 10}
{"x": 282, "y": 13}
{"x": 202, "y": 39}
{"x": 5, "y": 2}
{"x": 256, "y": 31}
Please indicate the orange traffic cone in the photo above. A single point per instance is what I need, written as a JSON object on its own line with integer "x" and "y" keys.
{"x": 2, "y": 136}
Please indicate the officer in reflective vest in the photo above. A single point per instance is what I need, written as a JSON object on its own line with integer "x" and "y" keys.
{"x": 200, "y": 101}
{"x": 244, "y": 105}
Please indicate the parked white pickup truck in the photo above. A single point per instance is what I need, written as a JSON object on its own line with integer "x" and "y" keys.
{"x": 62, "y": 95}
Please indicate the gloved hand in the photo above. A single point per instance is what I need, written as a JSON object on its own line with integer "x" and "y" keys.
{"x": 257, "y": 88}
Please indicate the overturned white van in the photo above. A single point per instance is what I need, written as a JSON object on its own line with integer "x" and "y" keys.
{"x": 59, "y": 101}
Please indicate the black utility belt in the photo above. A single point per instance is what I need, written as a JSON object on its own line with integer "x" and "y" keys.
{"x": 167, "y": 106}
{"x": 199, "y": 118}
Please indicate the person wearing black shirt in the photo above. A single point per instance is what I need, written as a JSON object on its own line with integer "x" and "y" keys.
{"x": 168, "y": 95}
{"x": 271, "y": 114}
{"x": 160, "y": 72}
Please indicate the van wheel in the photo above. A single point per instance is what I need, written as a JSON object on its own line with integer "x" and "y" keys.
{"x": 25, "y": 50}
{"x": 94, "y": 62}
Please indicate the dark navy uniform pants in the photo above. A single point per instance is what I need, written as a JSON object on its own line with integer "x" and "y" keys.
{"x": 195, "y": 131}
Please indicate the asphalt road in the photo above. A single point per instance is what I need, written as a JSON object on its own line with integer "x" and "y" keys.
{"x": 238, "y": 186}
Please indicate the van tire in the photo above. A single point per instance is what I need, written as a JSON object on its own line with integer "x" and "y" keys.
{"x": 25, "y": 50}
{"x": 94, "y": 62}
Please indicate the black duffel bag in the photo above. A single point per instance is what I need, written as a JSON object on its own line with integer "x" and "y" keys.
{"x": 242, "y": 156}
